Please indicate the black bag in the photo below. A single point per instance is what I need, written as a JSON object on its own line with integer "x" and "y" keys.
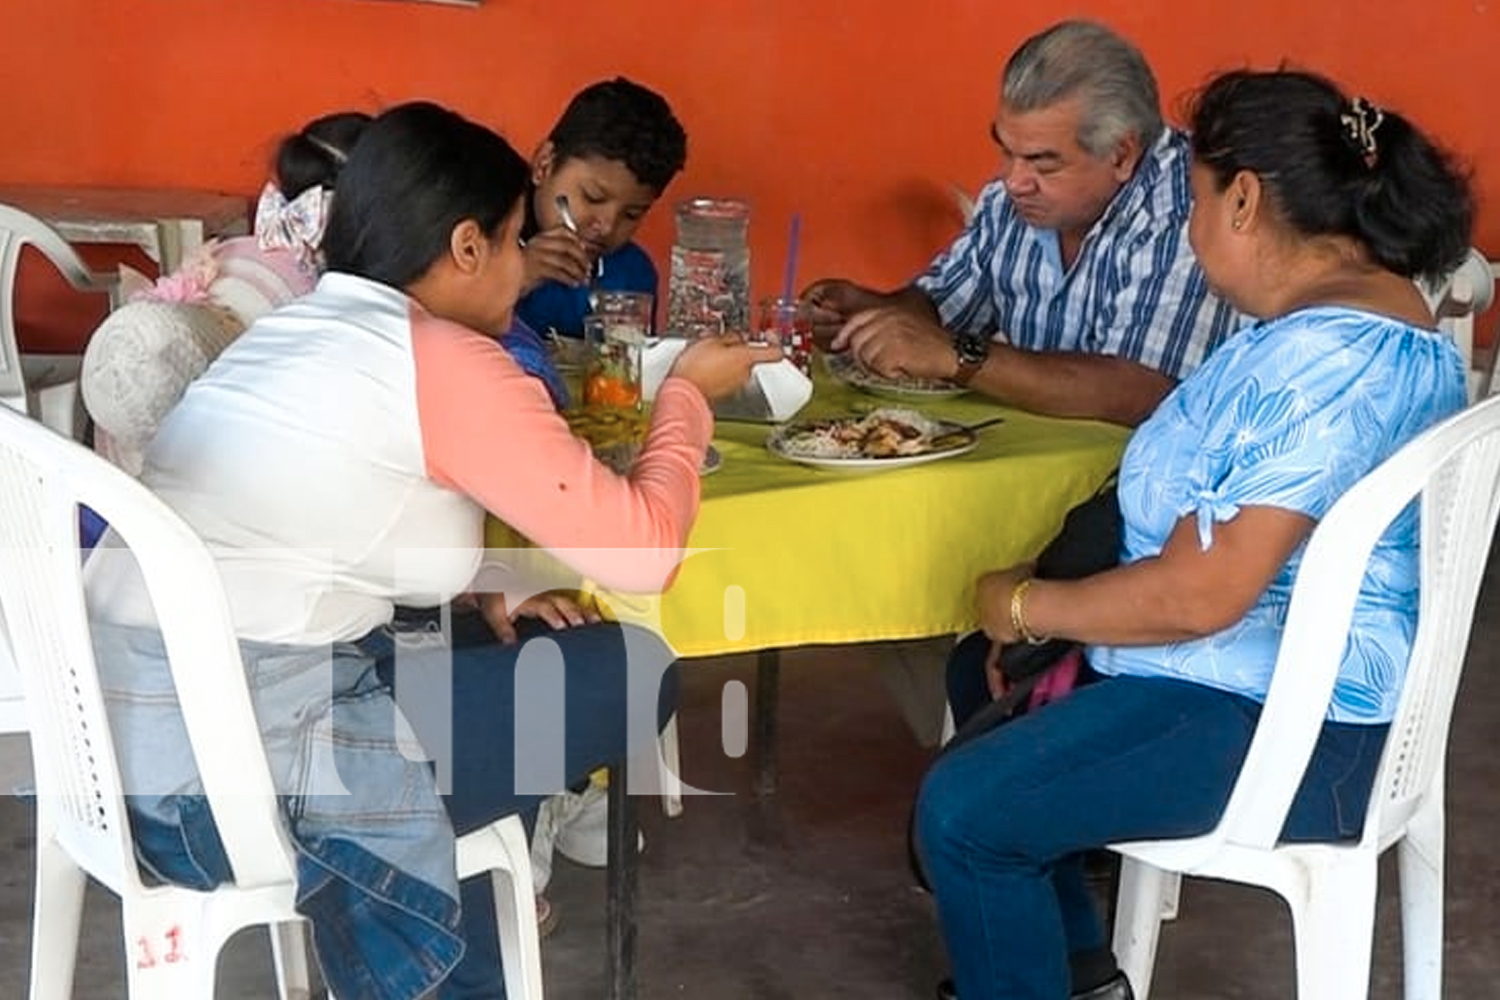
{"x": 1088, "y": 543}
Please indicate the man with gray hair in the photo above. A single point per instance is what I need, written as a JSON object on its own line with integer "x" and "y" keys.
{"x": 1072, "y": 291}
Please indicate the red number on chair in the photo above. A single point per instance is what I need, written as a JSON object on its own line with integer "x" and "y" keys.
{"x": 174, "y": 953}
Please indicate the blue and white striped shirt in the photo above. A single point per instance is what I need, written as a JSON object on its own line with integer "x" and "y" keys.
{"x": 1135, "y": 290}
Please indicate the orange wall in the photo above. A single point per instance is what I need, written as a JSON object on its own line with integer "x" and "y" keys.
{"x": 856, "y": 113}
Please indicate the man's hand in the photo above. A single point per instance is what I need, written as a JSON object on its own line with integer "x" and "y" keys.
{"x": 832, "y": 301}
{"x": 893, "y": 342}
{"x": 555, "y": 255}
{"x": 558, "y": 609}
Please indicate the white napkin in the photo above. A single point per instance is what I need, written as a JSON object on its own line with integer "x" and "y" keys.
{"x": 786, "y": 389}
{"x": 775, "y": 392}
{"x": 657, "y": 361}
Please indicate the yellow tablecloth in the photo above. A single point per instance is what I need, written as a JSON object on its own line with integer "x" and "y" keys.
{"x": 785, "y": 555}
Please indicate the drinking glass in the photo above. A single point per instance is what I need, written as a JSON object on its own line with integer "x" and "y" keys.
{"x": 612, "y": 378}
{"x": 625, "y": 311}
{"x": 788, "y": 324}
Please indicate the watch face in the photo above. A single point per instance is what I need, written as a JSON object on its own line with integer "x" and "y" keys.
{"x": 973, "y": 348}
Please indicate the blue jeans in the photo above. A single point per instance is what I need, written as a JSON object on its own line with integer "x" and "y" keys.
{"x": 1002, "y": 821}
{"x": 481, "y": 788}
{"x": 470, "y": 724}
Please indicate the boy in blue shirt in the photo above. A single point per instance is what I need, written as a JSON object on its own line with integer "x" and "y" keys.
{"x": 611, "y": 155}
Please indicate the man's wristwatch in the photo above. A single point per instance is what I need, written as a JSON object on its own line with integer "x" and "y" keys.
{"x": 973, "y": 350}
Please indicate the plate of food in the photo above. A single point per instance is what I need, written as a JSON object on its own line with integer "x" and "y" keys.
{"x": 849, "y": 371}
{"x": 887, "y": 438}
{"x": 616, "y": 435}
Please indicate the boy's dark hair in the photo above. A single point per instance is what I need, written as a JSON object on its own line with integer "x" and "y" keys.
{"x": 621, "y": 120}
{"x": 314, "y": 156}
{"x": 1338, "y": 166}
{"x": 417, "y": 171}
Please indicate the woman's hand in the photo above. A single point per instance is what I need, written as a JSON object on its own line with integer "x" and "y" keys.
{"x": 992, "y": 595}
{"x": 557, "y": 608}
{"x": 719, "y": 366}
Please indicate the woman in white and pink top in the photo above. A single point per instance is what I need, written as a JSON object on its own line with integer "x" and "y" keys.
{"x": 340, "y": 458}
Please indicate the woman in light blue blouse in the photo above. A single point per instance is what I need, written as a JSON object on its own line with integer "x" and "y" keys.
{"x": 1313, "y": 212}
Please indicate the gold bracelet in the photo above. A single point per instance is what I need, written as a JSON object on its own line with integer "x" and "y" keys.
{"x": 1018, "y": 614}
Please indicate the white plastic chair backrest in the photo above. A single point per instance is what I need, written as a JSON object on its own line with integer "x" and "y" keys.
{"x": 1455, "y": 301}
{"x": 17, "y": 230}
{"x": 1453, "y": 469}
{"x": 43, "y": 478}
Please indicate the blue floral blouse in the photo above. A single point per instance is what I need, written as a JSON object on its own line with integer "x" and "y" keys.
{"x": 1289, "y": 413}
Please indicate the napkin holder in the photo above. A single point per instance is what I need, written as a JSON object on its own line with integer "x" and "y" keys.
{"x": 774, "y": 393}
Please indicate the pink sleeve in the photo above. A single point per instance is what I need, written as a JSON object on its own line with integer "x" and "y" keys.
{"x": 490, "y": 431}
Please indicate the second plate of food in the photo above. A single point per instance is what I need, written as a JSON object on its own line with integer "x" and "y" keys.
{"x": 849, "y": 371}
{"x": 888, "y": 438}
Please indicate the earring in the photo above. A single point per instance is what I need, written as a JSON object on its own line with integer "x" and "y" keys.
{"x": 1237, "y": 223}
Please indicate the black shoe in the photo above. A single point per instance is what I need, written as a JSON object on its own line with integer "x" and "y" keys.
{"x": 1116, "y": 988}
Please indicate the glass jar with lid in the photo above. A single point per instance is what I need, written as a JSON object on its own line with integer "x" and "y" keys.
{"x": 710, "y": 277}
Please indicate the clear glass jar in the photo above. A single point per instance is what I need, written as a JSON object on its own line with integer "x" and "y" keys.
{"x": 710, "y": 276}
{"x": 627, "y": 312}
{"x": 613, "y": 377}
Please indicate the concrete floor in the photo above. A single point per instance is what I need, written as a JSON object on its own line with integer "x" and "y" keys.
{"x": 807, "y": 894}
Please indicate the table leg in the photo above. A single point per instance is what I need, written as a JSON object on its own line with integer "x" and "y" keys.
{"x": 623, "y": 861}
{"x": 767, "y": 693}
{"x": 175, "y": 239}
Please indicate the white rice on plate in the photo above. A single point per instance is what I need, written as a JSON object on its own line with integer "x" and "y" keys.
{"x": 884, "y": 433}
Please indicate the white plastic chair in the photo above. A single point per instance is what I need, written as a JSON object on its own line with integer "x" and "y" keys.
{"x": 42, "y": 385}
{"x": 172, "y": 936}
{"x": 1455, "y": 301}
{"x": 1454, "y": 470}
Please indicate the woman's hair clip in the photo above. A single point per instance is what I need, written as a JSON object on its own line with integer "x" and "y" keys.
{"x": 296, "y": 225}
{"x": 1360, "y": 121}
{"x": 338, "y": 156}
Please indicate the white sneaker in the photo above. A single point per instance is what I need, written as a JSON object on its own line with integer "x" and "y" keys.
{"x": 582, "y": 834}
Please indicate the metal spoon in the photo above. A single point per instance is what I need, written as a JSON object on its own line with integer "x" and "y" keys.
{"x": 963, "y": 434}
{"x": 561, "y": 201}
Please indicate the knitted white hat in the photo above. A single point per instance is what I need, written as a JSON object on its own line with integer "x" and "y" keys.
{"x": 138, "y": 364}
{"x": 143, "y": 356}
